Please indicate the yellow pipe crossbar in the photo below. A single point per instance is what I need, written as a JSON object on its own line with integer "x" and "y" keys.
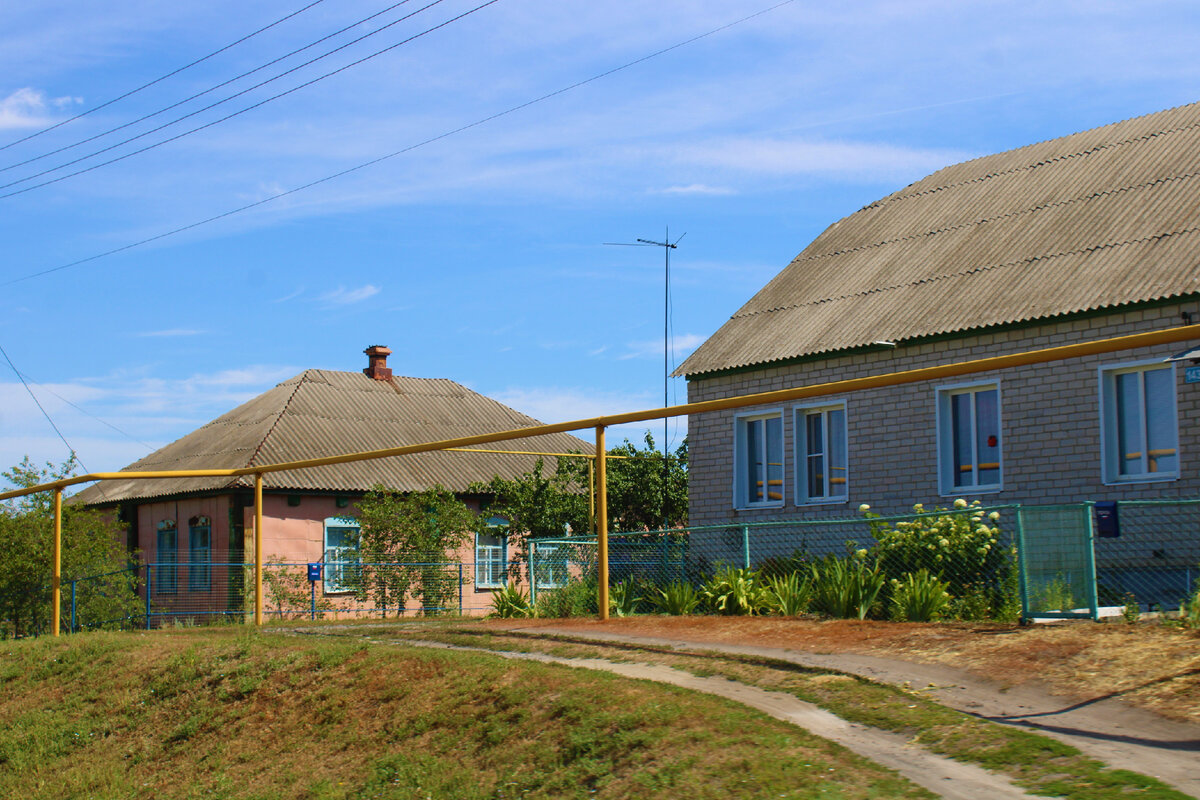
{"x": 1079, "y": 350}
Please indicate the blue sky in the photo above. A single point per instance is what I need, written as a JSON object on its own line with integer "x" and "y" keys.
{"x": 480, "y": 256}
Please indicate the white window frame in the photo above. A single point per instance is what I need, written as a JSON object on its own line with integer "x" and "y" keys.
{"x": 545, "y": 572}
{"x": 343, "y": 558}
{"x": 1110, "y": 469}
{"x": 945, "y": 439}
{"x": 491, "y": 560}
{"x": 832, "y": 483}
{"x": 741, "y": 467}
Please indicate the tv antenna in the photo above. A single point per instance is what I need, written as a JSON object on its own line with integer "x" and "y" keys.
{"x": 667, "y": 245}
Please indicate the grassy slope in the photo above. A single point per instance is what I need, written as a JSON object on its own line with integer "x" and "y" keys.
{"x": 230, "y": 713}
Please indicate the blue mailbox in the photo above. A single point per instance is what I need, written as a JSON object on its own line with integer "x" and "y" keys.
{"x": 314, "y": 571}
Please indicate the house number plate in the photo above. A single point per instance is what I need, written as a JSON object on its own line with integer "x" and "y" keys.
{"x": 1192, "y": 375}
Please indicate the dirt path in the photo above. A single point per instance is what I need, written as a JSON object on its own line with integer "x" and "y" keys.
{"x": 945, "y": 777}
{"x": 1105, "y": 728}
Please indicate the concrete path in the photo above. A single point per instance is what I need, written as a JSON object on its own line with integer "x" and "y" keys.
{"x": 945, "y": 777}
{"x": 1106, "y": 729}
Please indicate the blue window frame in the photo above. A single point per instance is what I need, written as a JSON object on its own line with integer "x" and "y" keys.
{"x": 491, "y": 555}
{"x": 969, "y": 448}
{"x": 199, "y": 554}
{"x": 343, "y": 568}
{"x": 821, "y": 475}
{"x": 758, "y": 460}
{"x": 1139, "y": 431}
{"x": 166, "y": 576}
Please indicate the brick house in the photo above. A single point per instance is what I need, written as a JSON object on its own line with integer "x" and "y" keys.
{"x": 1080, "y": 238}
{"x": 193, "y": 530}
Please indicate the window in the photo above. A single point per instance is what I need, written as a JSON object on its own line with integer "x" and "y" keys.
{"x": 1139, "y": 427}
{"x": 167, "y": 552}
{"x": 758, "y": 460}
{"x": 969, "y": 438}
{"x": 821, "y": 475}
{"x": 342, "y": 567}
{"x": 199, "y": 554}
{"x": 491, "y": 555}
{"x": 549, "y": 565}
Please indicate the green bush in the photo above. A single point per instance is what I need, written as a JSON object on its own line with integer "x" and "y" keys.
{"x": 676, "y": 598}
{"x": 623, "y": 599}
{"x": 1189, "y": 609}
{"x": 788, "y": 595}
{"x": 918, "y": 597}
{"x": 846, "y": 588}
{"x": 782, "y": 566}
{"x": 511, "y": 603}
{"x": 733, "y": 590}
{"x": 576, "y": 599}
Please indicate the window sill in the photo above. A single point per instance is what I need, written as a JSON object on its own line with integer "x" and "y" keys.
{"x": 756, "y": 506}
{"x": 968, "y": 491}
{"x": 1160, "y": 477}
{"x": 833, "y": 501}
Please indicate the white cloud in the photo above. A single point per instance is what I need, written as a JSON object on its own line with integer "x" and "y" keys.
{"x": 695, "y": 188}
{"x": 344, "y": 297}
{"x": 793, "y": 157}
{"x": 681, "y": 345}
{"x": 560, "y": 404}
{"x": 27, "y": 108}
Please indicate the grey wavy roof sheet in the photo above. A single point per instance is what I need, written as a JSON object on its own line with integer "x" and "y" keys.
{"x": 323, "y": 413}
{"x": 1101, "y": 218}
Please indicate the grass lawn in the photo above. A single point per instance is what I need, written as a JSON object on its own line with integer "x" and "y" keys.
{"x": 232, "y": 713}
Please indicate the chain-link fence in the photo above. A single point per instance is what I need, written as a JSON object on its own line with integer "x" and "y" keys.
{"x": 999, "y": 562}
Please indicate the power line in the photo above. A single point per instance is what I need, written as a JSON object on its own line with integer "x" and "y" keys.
{"x": 42, "y": 408}
{"x": 231, "y": 97}
{"x": 132, "y": 92}
{"x": 394, "y": 154}
{"x": 87, "y": 413}
{"x": 210, "y": 89}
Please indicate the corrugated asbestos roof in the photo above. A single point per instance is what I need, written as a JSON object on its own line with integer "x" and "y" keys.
{"x": 322, "y": 413}
{"x": 1102, "y": 218}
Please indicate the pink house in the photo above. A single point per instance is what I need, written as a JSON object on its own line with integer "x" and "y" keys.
{"x": 195, "y": 535}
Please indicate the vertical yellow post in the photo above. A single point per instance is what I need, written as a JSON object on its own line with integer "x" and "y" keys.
{"x": 258, "y": 550}
{"x": 56, "y": 574}
{"x": 602, "y": 518}
{"x": 591, "y": 497}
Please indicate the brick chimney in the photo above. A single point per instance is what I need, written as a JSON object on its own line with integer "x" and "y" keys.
{"x": 378, "y": 368}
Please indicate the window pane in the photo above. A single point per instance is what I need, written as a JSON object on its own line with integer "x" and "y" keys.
{"x": 815, "y": 456}
{"x": 987, "y": 437}
{"x": 1161, "y": 455}
{"x": 774, "y": 447}
{"x": 755, "y": 472}
{"x": 837, "y": 452}
{"x": 960, "y": 421}
{"x": 1129, "y": 428}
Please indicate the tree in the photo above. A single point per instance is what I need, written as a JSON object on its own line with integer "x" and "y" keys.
{"x": 93, "y": 554}
{"x": 405, "y": 542}
{"x": 635, "y": 487}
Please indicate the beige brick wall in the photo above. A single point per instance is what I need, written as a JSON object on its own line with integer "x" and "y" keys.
{"x": 1050, "y": 426}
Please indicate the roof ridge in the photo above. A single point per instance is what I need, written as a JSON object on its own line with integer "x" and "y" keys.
{"x": 1028, "y": 167}
{"x": 972, "y": 270}
{"x": 985, "y": 220}
{"x": 258, "y": 450}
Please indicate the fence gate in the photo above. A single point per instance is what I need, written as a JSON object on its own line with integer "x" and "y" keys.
{"x": 1057, "y": 562}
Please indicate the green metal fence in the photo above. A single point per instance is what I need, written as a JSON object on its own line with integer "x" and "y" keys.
{"x": 1083, "y": 560}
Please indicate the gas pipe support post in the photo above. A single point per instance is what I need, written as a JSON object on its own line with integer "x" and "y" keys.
{"x": 56, "y": 574}
{"x": 602, "y": 518}
{"x": 258, "y": 549}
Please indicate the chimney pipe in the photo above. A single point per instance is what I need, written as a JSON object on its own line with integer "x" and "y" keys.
{"x": 377, "y": 368}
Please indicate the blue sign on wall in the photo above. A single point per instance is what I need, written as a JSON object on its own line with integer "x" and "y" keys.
{"x": 1192, "y": 375}
{"x": 314, "y": 571}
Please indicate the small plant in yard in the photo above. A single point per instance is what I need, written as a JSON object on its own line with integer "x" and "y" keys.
{"x": 576, "y": 599}
{"x": 733, "y": 590}
{"x": 623, "y": 599}
{"x": 676, "y": 598}
{"x": 788, "y": 595}
{"x": 1057, "y": 595}
{"x": 1131, "y": 612}
{"x": 848, "y": 587}
{"x": 511, "y": 603}
{"x": 918, "y": 597}
{"x": 1189, "y": 609}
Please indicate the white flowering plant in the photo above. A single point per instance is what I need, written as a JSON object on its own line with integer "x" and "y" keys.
{"x": 962, "y": 546}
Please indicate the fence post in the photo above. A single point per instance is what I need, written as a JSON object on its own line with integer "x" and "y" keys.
{"x": 312, "y": 606}
{"x": 1022, "y": 567}
{"x": 746, "y": 545}
{"x": 533, "y": 572}
{"x": 149, "y": 583}
{"x": 73, "y": 605}
{"x": 1093, "y": 598}
{"x": 460, "y": 589}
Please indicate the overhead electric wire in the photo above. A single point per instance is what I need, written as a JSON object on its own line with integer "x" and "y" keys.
{"x": 132, "y": 92}
{"x": 231, "y": 97}
{"x": 409, "y": 148}
{"x": 42, "y": 408}
{"x": 87, "y": 413}
{"x": 210, "y": 89}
